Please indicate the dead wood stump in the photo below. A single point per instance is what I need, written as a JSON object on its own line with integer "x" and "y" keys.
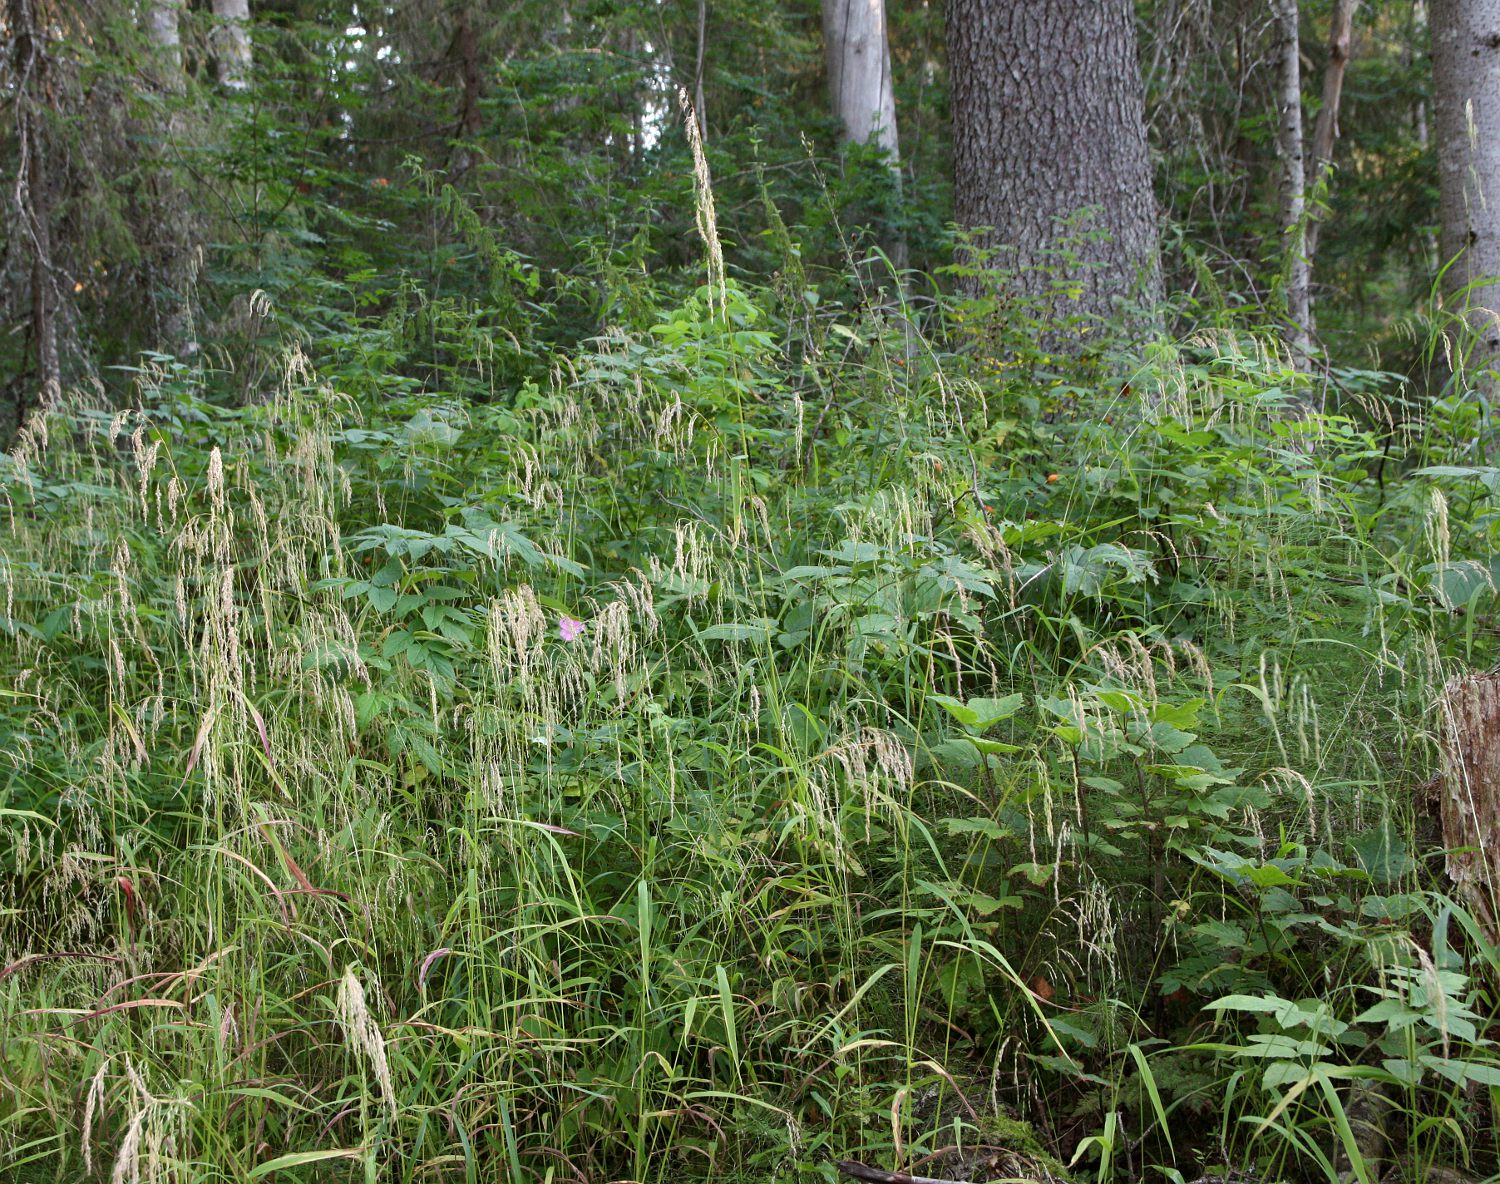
{"x": 1470, "y": 793}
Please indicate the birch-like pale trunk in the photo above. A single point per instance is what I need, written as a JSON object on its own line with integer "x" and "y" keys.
{"x": 1466, "y": 125}
{"x": 1420, "y": 118}
{"x": 1291, "y": 147}
{"x": 164, "y": 31}
{"x": 858, "y": 53}
{"x": 859, "y": 72}
{"x": 231, "y": 43}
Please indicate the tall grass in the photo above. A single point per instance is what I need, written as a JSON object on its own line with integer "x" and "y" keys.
{"x": 854, "y": 825}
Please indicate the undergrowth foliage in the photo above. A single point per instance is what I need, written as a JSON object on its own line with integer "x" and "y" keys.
{"x": 791, "y": 732}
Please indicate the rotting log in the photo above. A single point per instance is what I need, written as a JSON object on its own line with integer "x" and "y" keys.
{"x": 1470, "y": 793}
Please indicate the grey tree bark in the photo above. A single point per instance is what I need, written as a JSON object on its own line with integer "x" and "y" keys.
{"x": 1466, "y": 125}
{"x": 858, "y": 53}
{"x": 231, "y": 43}
{"x": 163, "y": 30}
{"x": 1291, "y": 147}
{"x": 1049, "y": 122}
{"x": 859, "y": 72}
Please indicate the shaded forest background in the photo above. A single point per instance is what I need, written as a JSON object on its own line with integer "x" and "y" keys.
{"x": 329, "y": 165}
{"x": 560, "y": 621}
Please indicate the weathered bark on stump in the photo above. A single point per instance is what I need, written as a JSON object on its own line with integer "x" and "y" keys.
{"x": 1466, "y": 122}
{"x": 1471, "y": 793}
{"x": 1049, "y": 125}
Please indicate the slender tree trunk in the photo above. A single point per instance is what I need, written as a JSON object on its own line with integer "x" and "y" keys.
{"x": 700, "y": 109}
{"x": 172, "y": 217}
{"x": 232, "y": 43}
{"x": 1466, "y": 118}
{"x": 1049, "y": 122}
{"x": 43, "y": 306}
{"x": 858, "y": 52}
{"x": 33, "y": 196}
{"x": 1326, "y": 130}
{"x": 466, "y": 43}
{"x": 463, "y": 52}
{"x": 1291, "y": 148}
{"x": 1419, "y": 118}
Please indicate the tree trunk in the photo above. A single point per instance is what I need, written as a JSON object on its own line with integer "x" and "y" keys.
{"x": 859, "y": 85}
{"x": 1326, "y": 130}
{"x": 34, "y": 197}
{"x": 172, "y": 218}
{"x": 165, "y": 35}
{"x": 1466, "y": 123}
{"x": 700, "y": 108}
{"x": 1049, "y": 125}
{"x": 1419, "y": 118}
{"x": 1291, "y": 148}
{"x": 231, "y": 43}
{"x": 463, "y": 52}
{"x": 859, "y": 72}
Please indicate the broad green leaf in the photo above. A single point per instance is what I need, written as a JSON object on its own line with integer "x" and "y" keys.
{"x": 299, "y": 1159}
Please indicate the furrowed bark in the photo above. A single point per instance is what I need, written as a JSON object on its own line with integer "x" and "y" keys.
{"x": 1049, "y": 125}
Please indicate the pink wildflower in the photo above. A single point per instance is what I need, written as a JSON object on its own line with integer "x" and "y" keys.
{"x": 570, "y": 629}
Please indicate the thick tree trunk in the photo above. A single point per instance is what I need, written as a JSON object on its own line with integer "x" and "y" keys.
{"x": 1466, "y": 119}
{"x": 164, "y": 32}
{"x": 232, "y": 43}
{"x": 1291, "y": 148}
{"x": 859, "y": 71}
{"x": 1470, "y": 788}
{"x": 1049, "y": 122}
